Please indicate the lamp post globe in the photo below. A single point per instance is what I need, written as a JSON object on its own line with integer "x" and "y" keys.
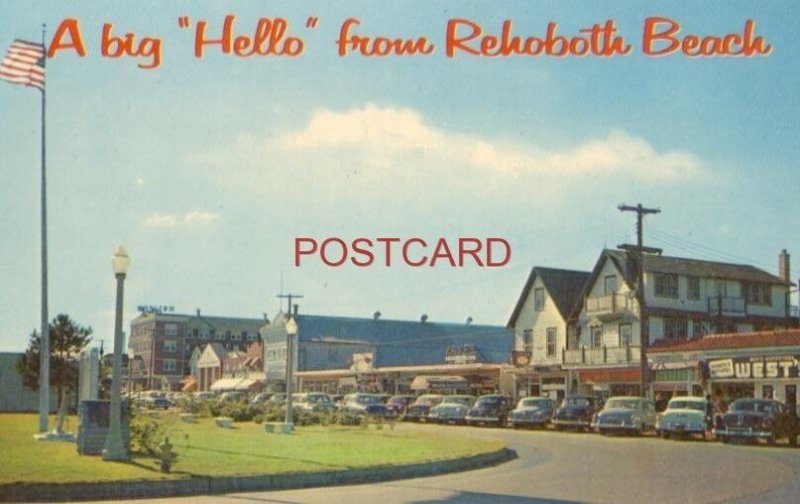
{"x": 115, "y": 447}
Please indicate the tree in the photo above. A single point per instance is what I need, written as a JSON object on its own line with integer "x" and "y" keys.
{"x": 67, "y": 340}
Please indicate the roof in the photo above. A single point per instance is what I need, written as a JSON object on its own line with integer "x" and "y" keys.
{"x": 677, "y": 265}
{"x": 397, "y": 342}
{"x": 213, "y": 354}
{"x": 762, "y": 339}
{"x": 564, "y": 286}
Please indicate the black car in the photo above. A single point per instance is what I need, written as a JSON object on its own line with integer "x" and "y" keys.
{"x": 754, "y": 420}
{"x": 576, "y": 412}
{"x": 419, "y": 409}
{"x": 491, "y": 409}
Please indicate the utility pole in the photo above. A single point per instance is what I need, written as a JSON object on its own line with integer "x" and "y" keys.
{"x": 638, "y": 252}
{"x": 289, "y": 297}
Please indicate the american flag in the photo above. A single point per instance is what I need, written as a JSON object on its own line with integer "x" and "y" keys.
{"x": 24, "y": 64}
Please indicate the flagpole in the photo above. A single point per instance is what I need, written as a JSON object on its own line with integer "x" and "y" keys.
{"x": 44, "y": 363}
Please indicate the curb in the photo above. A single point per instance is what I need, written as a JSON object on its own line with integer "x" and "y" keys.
{"x": 62, "y": 492}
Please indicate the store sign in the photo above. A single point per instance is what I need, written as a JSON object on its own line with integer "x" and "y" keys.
{"x": 460, "y": 354}
{"x": 774, "y": 366}
{"x": 155, "y": 309}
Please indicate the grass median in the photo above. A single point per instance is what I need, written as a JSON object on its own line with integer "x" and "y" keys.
{"x": 203, "y": 449}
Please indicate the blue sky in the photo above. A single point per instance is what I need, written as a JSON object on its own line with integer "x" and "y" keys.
{"x": 206, "y": 169}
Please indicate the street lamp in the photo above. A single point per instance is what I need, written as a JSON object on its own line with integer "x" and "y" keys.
{"x": 291, "y": 332}
{"x": 115, "y": 448}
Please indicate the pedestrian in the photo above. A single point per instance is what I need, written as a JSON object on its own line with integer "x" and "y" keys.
{"x": 709, "y": 416}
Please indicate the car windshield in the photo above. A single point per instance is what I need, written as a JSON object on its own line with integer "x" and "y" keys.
{"x": 428, "y": 400}
{"x": 457, "y": 400}
{"x": 368, "y": 399}
{"x": 534, "y": 403}
{"x": 577, "y": 401}
{"x": 694, "y": 405}
{"x": 623, "y": 403}
{"x": 488, "y": 401}
{"x": 758, "y": 406}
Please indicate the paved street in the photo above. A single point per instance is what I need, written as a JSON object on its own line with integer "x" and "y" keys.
{"x": 572, "y": 467}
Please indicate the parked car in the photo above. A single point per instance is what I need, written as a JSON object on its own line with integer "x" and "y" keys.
{"x": 626, "y": 414}
{"x": 576, "y": 412}
{"x": 683, "y": 416}
{"x": 313, "y": 402}
{"x": 491, "y": 409}
{"x": 532, "y": 412}
{"x": 205, "y": 396}
{"x": 233, "y": 397}
{"x": 453, "y": 409}
{"x": 399, "y": 403}
{"x": 361, "y": 404}
{"x": 261, "y": 397}
{"x": 754, "y": 420}
{"x": 419, "y": 409}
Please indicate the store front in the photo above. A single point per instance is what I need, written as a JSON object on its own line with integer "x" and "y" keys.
{"x": 731, "y": 366}
{"x": 609, "y": 382}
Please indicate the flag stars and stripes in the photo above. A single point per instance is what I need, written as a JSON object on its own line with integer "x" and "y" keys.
{"x": 24, "y": 64}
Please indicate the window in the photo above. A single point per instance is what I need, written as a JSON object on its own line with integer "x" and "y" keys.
{"x": 666, "y": 285}
{"x": 693, "y": 288}
{"x": 170, "y": 329}
{"x": 235, "y": 337}
{"x": 758, "y": 294}
{"x": 538, "y": 299}
{"x": 624, "y": 335}
{"x": 195, "y": 332}
{"x": 674, "y": 329}
{"x": 698, "y": 329}
{"x": 168, "y": 365}
{"x": 597, "y": 336}
{"x": 527, "y": 340}
{"x": 551, "y": 341}
{"x": 610, "y": 284}
{"x": 250, "y": 336}
{"x": 170, "y": 346}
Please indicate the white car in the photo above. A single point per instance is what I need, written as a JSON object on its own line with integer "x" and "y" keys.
{"x": 683, "y": 416}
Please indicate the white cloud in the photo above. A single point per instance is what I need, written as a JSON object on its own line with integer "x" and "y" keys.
{"x": 391, "y": 137}
{"x": 194, "y": 218}
{"x": 199, "y": 218}
{"x": 157, "y": 220}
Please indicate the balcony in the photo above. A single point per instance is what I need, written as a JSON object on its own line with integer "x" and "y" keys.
{"x": 727, "y": 306}
{"x": 602, "y": 356}
{"x": 609, "y": 306}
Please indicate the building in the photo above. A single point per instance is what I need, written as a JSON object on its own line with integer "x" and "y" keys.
{"x": 684, "y": 299}
{"x": 755, "y": 364}
{"x": 165, "y": 343}
{"x": 342, "y": 354}
{"x": 540, "y": 324}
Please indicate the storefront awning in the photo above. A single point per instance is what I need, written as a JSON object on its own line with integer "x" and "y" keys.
{"x": 624, "y": 375}
{"x": 225, "y": 384}
{"x": 439, "y": 382}
{"x": 249, "y": 384}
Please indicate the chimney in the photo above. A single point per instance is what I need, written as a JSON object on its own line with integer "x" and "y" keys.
{"x": 468, "y": 321}
{"x": 783, "y": 266}
{"x": 266, "y": 319}
{"x": 294, "y": 311}
{"x": 423, "y": 318}
{"x": 376, "y": 315}
{"x": 198, "y": 312}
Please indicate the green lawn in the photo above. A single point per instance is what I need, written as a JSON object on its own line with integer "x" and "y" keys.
{"x": 206, "y": 450}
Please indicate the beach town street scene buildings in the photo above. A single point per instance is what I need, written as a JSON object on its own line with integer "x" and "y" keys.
{"x": 707, "y": 327}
